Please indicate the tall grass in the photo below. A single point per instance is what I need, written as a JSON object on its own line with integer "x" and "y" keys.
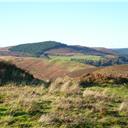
{"x": 62, "y": 106}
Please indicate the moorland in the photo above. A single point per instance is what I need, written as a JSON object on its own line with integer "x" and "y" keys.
{"x": 55, "y": 85}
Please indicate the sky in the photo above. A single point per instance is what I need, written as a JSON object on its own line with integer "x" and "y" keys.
{"x": 91, "y": 23}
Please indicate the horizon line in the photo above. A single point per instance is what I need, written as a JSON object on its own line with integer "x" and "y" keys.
{"x": 66, "y": 44}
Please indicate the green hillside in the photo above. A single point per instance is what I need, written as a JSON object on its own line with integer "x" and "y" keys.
{"x": 41, "y": 48}
{"x": 36, "y": 49}
{"x": 81, "y": 54}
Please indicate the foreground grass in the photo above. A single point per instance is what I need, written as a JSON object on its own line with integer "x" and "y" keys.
{"x": 37, "y": 107}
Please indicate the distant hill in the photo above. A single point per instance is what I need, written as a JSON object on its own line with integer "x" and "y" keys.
{"x": 121, "y": 51}
{"x": 6, "y": 51}
{"x": 36, "y": 49}
{"x": 57, "y": 48}
{"x": 50, "y": 47}
{"x": 53, "y": 49}
{"x": 114, "y": 51}
{"x": 106, "y": 50}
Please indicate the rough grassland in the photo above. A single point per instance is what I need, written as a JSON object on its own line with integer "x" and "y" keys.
{"x": 38, "y": 107}
{"x": 45, "y": 69}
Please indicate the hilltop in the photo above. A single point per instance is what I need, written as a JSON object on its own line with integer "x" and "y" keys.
{"x": 49, "y": 47}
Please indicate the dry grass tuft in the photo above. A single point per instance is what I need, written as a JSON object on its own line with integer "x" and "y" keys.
{"x": 96, "y": 94}
{"x": 66, "y": 85}
{"x": 124, "y": 106}
{"x": 45, "y": 119}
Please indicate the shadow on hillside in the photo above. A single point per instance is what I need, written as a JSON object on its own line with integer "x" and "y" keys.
{"x": 9, "y": 73}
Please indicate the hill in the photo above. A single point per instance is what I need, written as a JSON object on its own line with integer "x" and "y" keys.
{"x": 81, "y": 54}
{"x": 79, "y": 95}
{"x": 121, "y": 51}
{"x": 7, "y": 52}
{"x": 45, "y": 69}
{"x": 117, "y": 71}
{"x": 37, "y": 49}
{"x": 106, "y": 50}
{"x": 10, "y": 73}
{"x": 117, "y": 74}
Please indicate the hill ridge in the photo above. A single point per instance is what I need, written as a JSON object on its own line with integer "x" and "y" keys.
{"x": 39, "y": 48}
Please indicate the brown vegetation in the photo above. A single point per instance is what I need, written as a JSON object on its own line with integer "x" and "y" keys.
{"x": 44, "y": 69}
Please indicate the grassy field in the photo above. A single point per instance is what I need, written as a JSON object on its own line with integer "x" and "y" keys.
{"x": 92, "y": 59}
{"x": 77, "y": 57}
{"x": 64, "y": 107}
{"x": 83, "y": 59}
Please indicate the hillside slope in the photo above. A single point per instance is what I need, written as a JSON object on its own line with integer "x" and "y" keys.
{"x": 106, "y": 50}
{"x": 37, "y": 49}
{"x": 121, "y": 51}
{"x": 45, "y": 69}
{"x": 9, "y": 73}
{"x": 117, "y": 74}
{"x": 50, "y": 49}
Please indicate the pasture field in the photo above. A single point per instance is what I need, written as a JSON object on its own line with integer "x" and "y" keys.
{"x": 77, "y": 57}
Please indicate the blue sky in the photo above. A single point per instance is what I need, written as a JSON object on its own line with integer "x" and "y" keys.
{"x": 94, "y": 24}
